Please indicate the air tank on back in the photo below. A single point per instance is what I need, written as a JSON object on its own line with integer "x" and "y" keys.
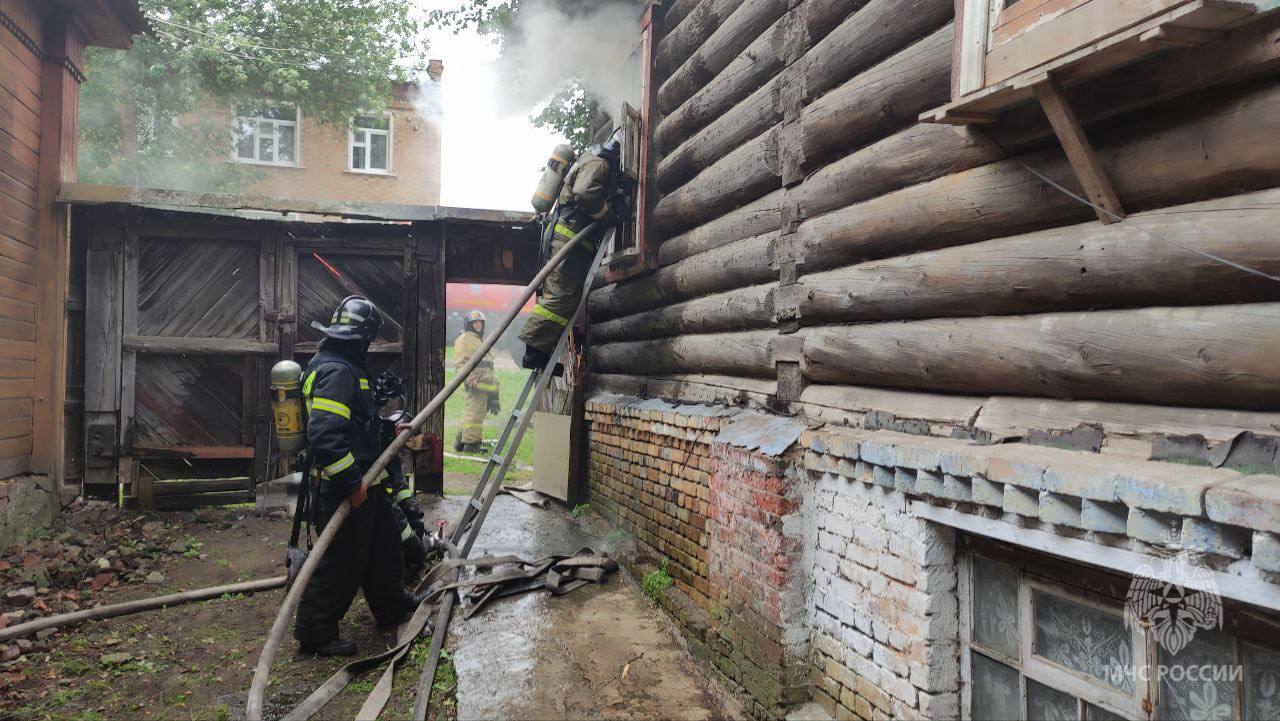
{"x": 552, "y": 177}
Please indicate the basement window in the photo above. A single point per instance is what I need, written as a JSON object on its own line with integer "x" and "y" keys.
{"x": 1041, "y": 648}
{"x": 370, "y": 144}
{"x": 267, "y": 134}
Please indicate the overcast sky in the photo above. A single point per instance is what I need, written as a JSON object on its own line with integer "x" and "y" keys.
{"x": 491, "y": 159}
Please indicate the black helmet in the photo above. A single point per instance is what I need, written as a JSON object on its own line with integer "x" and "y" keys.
{"x": 610, "y": 150}
{"x": 355, "y": 318}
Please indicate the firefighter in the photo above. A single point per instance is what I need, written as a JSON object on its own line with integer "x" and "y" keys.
{"x": 481, "y": 386}
{"x": 585, "y": 197}
{"x": 343, "y": 437}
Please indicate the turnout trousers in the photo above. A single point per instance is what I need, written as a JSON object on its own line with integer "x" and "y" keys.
{"x": 365, "y": 554}
{"x": 559, "y": 295}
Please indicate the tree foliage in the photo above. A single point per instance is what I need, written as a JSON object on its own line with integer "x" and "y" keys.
{"x": 146, "y": 115}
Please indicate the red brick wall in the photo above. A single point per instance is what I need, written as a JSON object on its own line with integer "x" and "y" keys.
{"x": 719, "y": 516}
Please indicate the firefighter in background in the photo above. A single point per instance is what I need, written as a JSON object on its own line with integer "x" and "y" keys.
{"x": 481, "y": 387}
{"x": 586, "y": 196}
{"x": 343, "y": 437}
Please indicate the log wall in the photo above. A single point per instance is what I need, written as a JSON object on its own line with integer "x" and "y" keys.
{"x": 815, "y": 234}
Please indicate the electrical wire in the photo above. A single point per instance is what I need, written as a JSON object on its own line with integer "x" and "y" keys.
{"x": 1085, "y": 201}
{"x": 240, "y": 56}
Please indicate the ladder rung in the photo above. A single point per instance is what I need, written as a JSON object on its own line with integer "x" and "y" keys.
{"x": 477, "y": 504}
{"x": 499, "y": 460}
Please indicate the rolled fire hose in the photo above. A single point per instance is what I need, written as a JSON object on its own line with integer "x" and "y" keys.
{"x": 145, "y": 604}
{"x": 261, "y": 674}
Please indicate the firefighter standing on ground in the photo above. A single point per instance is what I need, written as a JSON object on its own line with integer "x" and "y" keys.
{"x": 585, "y": 197}
{"x": 343, "y": 437}
{"x": 480, "y": 388}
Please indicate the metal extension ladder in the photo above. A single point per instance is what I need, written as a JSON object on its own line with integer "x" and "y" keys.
{"x": 467, "y": 529}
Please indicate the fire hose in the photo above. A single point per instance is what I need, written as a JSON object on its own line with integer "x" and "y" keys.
{"x": 145, "y": 604}
{"x": 261, "y": 674}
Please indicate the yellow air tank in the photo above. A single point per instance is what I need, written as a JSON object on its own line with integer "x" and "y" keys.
{"x": 552, "y": 177}
{"x": 286, "y": 401}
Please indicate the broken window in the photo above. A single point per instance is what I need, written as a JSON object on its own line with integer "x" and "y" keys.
{"x": 267, "y": 134}
{"x": 1044, "y": 648}
{"x": 370, "y": 144}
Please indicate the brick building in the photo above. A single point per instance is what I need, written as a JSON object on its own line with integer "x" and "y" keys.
{"x": 390, "y": 157}
{"x": 916, "y": 433}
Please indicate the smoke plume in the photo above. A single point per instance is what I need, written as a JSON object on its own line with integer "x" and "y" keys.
{"x": 550, "y": 47}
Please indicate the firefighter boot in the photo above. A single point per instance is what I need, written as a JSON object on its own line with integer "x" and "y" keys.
{"x": 535, "y": 359}
{"x": 336, "y": 647}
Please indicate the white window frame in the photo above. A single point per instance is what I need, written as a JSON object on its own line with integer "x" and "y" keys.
{"x": 390, "y": 132}
{"x": 257, "y": 121}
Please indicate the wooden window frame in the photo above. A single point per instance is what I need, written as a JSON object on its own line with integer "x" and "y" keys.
{"x": 389, "y": 132}
{"x": 1241, "y": 626}
{"x": 642, "y": 257}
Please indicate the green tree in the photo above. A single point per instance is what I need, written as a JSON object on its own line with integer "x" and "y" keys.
{"x": 144, "y": 118}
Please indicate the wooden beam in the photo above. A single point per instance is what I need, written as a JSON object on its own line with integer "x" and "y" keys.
{"x": 92, "y": 194}
{"x": 59, "y": 97}
{"x": 1080, "y": 153}
{"x": 210, "y": 346}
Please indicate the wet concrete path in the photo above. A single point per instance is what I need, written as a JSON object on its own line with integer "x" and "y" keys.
{"x": 601, "y": 651}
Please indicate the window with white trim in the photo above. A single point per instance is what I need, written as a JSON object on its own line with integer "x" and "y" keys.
{"x": 267, "y": 133}
{"x": 370, "y": 144}
{"x": 1036, "y": 648}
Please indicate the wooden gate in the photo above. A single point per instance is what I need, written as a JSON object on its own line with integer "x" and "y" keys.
{"x": 185, "y": 309}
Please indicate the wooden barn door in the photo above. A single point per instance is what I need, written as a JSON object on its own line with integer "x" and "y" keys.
{"x": 177, "y": 324}
{"x": 404, "y": 277}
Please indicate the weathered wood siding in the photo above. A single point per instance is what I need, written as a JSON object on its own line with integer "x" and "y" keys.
{"x": 814, "y": 233}
{"x": 20, "y": 128}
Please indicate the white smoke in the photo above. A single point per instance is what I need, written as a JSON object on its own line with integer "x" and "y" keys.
{"x": 549, "y": 48}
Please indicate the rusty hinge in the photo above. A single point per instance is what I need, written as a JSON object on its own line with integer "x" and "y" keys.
{"x": 276, "y": 316}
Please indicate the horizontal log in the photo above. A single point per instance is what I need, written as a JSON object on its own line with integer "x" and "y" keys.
{"x": 748, "y": 173}
{"x": 739, "y": 354}
{"x": 879, "y": 101}
{"x": 741, "y": 309}
{"x": 1076, "y": 267}
{"x": 211, "y": 346}
{"x": 688, "y": 35}
{"x": 880, "y": 28}
{"x": 755, "y": 218}
{"x": 1150, "y": 166}
{"x": 758, "y": 112}
{"x": 677, "y": 11}
{"x": 1219, "y": 356}
{"x": 739, "y": 31}
{"x": 867, "y": 44}
{"x": 889, "y": 96}
{"x": 748, "y": 262}
{"x": 795, "y": 31}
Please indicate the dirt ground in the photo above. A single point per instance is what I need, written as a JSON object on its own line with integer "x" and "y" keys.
{"x": 600, "y": 652}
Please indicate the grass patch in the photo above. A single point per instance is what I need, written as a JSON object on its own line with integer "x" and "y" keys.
{"x": 656, "y": 582}
{"x": 580, "y": 510}
{"x": 510, "y": 383}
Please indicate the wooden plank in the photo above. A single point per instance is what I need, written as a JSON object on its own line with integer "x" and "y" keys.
{"x": 202, "y": 500}
{"x": 972, "y": 31}
{"x": 1080, "y": 153}
{"x": 431, "y": 274}
{"x": 198, "y": 485}
{"x": 190, "y": 400}
{"x": 210, "y": 346}
{"x": 1023, "y": 16}
{"x": 11, "y": 388}
{"x": 94, "y": 194}
{"x": 129, "y": 477}
{"x": 1085, "y": 24}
